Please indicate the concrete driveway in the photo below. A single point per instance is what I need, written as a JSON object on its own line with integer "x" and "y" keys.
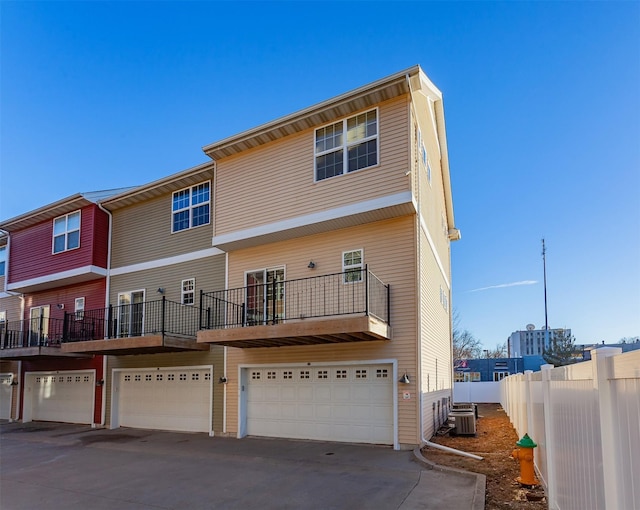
{"x": 59, "y": 466}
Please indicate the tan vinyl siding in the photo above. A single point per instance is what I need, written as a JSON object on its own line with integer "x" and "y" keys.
{"x": 11, "y": 305}
{"x": 215, "y": 358}
{"x": 276, "y": 181}
{"x": 209, "y": 273}
{"x": 432, "y": 200}
{"x": 436, "y": 363}
{"x": 142, "y": 232}
{"x": 394, "y": 266}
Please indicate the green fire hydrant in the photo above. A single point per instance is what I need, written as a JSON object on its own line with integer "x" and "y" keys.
{"x": 525, "y": 455}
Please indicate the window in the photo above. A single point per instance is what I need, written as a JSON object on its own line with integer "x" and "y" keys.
{"x": 79, "y": 308}
{"x": 66, "y": 232}
{"x": 360, "y": 145}
{"x": 189, "y": 291}
{"x": 498, "y": 376}
{"x": 444, "y": 299}
{"x": 3, "y": 260}
{"x": 423, "y": 156}
{"x": 190, "y": 207}
{"x": 352, "y": 266}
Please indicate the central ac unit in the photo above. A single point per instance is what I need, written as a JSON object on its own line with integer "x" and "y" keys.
{"x": 465, "y": 422}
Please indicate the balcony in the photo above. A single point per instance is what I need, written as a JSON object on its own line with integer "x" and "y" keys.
{"x": 343, "y": 307}
{"x": 32, "y": 338}
{"x": 134, "y": 328}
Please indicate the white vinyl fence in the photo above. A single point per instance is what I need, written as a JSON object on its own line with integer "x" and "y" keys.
{"x": 487, "y": 392}
{"x": 585, "y": 419}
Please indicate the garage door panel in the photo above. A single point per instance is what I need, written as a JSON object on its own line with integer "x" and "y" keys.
{"x": 343, "y": 403}
{"x": 62, "y": 397}
{"x": 171, "y": 398}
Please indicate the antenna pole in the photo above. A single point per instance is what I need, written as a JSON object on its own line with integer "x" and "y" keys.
{"x": 544, "y": 268}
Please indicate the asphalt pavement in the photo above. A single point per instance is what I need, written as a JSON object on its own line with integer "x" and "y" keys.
{"x": 62, "y": 466}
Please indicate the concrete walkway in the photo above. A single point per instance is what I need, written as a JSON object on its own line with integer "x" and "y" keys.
{"x": 60, "y": 466}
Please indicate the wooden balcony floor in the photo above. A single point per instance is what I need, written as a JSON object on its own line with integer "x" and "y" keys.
{"x": 300, "y": 332}
{"x": 149, "y": 344}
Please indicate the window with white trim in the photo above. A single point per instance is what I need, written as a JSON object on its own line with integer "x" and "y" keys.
{"x": 66, "y": 232}
{"x": 498, "y": 376}
{"x": 79, "y": 308}
{"x": 190, "y": 207}
{"x": 3, "y": 260}
{"x": 189, "y": 291}
{"x": 348, "y": 145}
{"x": 352, "y": 265}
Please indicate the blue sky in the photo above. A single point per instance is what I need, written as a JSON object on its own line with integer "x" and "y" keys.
{"x": 542, "y": 104}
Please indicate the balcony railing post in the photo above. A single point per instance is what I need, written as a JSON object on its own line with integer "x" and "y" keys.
{"x": 110, "y": 327}
{"x": 41, "y": 329}
{"x": 273, "y": 300}
{"x": 164, "y": 304}
{"x": 388, "y": 317}
{"x": 65, "y": 327}
{"x": 200, "y": 310}
{"x": 366, "y": 290}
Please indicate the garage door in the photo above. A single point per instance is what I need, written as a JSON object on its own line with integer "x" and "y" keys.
{"x": 64, "y": 396}
{"x": 351, "y": 403}
{"x": 5, "y": 396}
{"x": 175, "y": 398}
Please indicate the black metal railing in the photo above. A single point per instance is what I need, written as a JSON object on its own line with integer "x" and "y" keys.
{"x": 349, "y": 293}
{"x": 36, "y": 332}
{"x": 160, "y": 317}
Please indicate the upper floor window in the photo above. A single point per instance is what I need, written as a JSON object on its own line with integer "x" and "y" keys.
{"x": 352, "y": 265}
{"x": 66, "y": 232}
{"x": 347, "y": 145}
{"x": 190, "y": 207}
{"x": 188, "y": 291}
{"x": 3, "y": 260}
{"x": 79, "y": 308}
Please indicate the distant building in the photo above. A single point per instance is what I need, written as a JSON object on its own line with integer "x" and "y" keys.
{"x": 531, "y": 341}
{"x": 494, "y": 369}
{"x": 625, "y": 346}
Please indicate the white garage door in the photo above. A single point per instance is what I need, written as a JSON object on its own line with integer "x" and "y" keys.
{"x": 64, "y": 396}
{"x": 175, "y": 398}
{"x": 6, "y": 391}
{"x": 351, "y": 403}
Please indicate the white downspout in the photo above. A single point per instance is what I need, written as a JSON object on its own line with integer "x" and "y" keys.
{"x": 224, "y": 363}
{"x": 107, "y": 292}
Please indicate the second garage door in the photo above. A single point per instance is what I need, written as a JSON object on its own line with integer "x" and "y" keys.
{"x": 352, "y": 403}
{"x": 60, "y": 396}
{"x": 174, "y": 398}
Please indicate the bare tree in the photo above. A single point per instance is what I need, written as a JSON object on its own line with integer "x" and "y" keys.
{"x": 499, "y": 352}
{"x": 465, "y": 345}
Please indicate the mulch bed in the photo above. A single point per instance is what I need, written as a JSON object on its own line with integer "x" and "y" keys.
{"x": 495, "y": 439}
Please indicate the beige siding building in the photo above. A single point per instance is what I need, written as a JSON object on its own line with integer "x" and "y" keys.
{"x": 298, "y": 285}
{"x": 312, "y": 210}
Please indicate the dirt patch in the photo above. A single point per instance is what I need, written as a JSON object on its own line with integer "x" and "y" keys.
{"x": 495, "y": 440}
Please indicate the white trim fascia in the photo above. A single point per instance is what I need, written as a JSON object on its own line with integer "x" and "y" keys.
{"x": 6, "y": 295}
{"x": 404, "y": 197}
{"x": 424, "y": 228}
{"x": 78, "y": 271}
{"x": 168, "y": 261}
